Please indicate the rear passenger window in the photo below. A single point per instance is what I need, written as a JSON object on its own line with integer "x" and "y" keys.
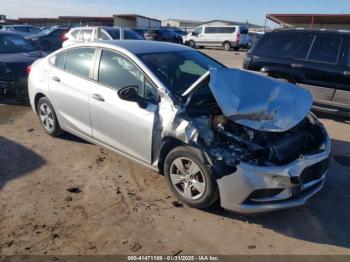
{"x": 79, "y": 61}
{"x": 85, "y": 35}
{"x": 60, "y": 60}
{"x": 325, "y": 49}
{"x": 75, "y": 33}
{"x": 277, "y": 44}
{"x": 305, "y": 47}
{"x": 219, "y": 30}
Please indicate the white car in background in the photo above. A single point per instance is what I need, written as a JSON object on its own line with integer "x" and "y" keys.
{"x": 78, "y": 35}
{"x": 227, "y": 37}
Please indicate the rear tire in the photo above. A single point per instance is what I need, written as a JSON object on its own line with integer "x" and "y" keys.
{"x": 48, "y": 118}
{"x": 189, "y": 179}
{"x": 236, "y": 48}
{"x": 226, "y": 46}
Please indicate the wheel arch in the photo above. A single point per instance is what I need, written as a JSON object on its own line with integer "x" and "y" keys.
{"x": 36, "y": 100}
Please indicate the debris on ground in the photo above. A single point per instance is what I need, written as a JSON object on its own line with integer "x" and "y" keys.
{"x": 30, "y": 130}
{"x": 68, "y": 199}
{"x": 251, "y": 247}
{"x": 74, "y": 190}
{"x": 135, "y": 247}
{"x": 177, "y": 204}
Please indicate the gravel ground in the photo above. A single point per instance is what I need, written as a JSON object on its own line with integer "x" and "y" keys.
{"x": 66, "y": 196}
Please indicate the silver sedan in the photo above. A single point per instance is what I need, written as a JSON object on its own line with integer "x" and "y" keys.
{"x": 217, "y": 134}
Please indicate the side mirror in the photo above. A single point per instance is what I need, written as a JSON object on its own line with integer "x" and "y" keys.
{"x": 194, "y": 34}
{"x": 131, "y": 93}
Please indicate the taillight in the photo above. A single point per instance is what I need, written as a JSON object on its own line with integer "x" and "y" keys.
{"x": 28, "y": 69}
{"x": 64, "y": 37}
{"x": 238, "y": 37}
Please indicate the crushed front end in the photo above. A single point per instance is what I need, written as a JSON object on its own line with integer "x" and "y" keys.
{"x": 266, "y": 152}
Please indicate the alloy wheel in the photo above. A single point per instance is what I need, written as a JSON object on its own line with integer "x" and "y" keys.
{"x": 187, "y": 178}
{"x": 46, "y": 117}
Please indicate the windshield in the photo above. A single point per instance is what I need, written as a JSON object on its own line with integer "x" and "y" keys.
{"x": 14, "y": 44}
{"x": 179, "y": 70}
{"x": 46, "y": 31}
{"x": 131, "y": 35}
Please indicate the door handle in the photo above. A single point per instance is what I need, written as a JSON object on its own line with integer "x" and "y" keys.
{"x": 98, "y": 97}
{"x": 297, "y": 66}
{"x": 56, "y": 79}
{"x": 346, "y": 73}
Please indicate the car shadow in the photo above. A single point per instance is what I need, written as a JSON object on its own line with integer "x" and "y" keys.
{"x": 73, "y": 138}
{"x": 16, "y": 161}
{"x": 337, "y": 118}
{"x": 325, "y": 217}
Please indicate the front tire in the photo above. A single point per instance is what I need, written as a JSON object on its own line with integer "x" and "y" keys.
{"x": 48, "y": 118}
{"x": 192, "y": 44}
{"x": 189, "y": 179}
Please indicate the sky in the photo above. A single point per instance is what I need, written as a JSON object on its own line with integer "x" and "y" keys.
{"x": 202, "y": 10}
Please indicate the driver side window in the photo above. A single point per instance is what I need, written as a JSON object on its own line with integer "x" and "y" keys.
{"x": 118, "y": 72}
{"x": 198, "y": 31}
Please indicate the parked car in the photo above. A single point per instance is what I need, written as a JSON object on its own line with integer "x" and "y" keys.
{"x": 318, "y": 60}
{"x": 23, "y": 30}
{"x": 175, "y": 110}
{"x": 87, "y": 34}
{"x": 227, "y": 37}
{"x": 49, "y": 39}
{"x": 15, "y": 55}
{"x": 139, "y": 31}
{"x": 254, "y": 37}
{"x": 165, "y": 35}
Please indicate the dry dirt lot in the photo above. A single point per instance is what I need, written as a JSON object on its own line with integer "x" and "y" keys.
{"x": 118, "y": 207}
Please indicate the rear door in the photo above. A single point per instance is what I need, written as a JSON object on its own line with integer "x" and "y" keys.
{"x": 69, "y": 83}
{"x": 342, "y": 94}
{"x": 317, "y": 60}
{"x": 244, "y": 38}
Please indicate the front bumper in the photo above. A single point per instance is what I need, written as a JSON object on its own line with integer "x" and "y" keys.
{"x": 295, "y": 183}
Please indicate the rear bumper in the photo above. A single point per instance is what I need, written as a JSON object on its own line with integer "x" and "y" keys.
{"x": 237, "y": 189}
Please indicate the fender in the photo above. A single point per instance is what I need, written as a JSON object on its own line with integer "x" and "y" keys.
{"x": 285, "y": 73}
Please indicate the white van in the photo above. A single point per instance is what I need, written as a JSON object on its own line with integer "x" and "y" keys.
{"x": 226, "y": 36}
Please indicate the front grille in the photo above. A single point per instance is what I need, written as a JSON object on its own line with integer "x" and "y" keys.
{"x": 314, "y": 172}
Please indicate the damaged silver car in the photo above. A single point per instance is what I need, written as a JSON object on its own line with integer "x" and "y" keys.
{"x": 217, "y": 134}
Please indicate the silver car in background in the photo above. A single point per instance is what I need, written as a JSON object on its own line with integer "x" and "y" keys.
{"x": 215, "y": 133}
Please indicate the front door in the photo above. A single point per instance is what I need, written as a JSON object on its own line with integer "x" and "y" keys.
{"x": 120, "y": 124}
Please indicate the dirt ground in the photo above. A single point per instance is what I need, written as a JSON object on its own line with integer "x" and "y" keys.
{"x": 66, "y": 196}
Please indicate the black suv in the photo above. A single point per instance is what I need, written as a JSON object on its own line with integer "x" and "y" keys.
{"x": 318, "y": 60}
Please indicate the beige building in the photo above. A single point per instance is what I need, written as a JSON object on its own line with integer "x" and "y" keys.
{"x": 187, "y": 25}
{"x": 136, "y": 21}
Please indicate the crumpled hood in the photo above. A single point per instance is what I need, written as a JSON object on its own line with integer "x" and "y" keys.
{"x": 259, "y": 102}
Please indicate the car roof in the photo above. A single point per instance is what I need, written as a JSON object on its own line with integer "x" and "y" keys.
{"x": 4, "y": 32}
{"x": 18, "y": 26}
{"x": 143, "y": 46}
